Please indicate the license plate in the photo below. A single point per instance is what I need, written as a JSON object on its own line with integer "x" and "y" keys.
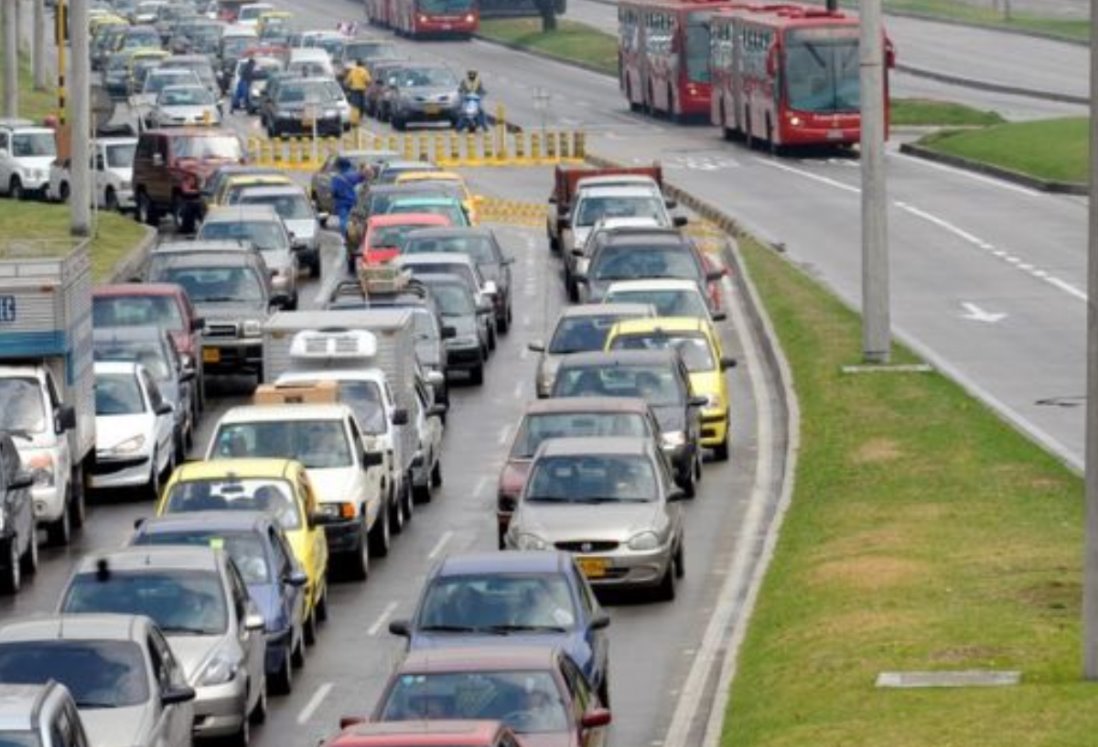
{"x": 593, "y": 567}
{"x": 834, "y": 134}
{"x": 211, "y": 355}
{"x": 431, "y": 109}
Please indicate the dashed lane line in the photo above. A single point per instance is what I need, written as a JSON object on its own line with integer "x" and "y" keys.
{"x": 314, "y": 703}
{"x": 374, "y": 629}
{"x": 442, "y": 541}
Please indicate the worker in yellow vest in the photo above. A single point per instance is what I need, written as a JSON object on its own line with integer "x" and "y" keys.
{"x": 357, "y": 80}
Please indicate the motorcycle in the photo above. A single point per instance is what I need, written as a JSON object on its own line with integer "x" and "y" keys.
{"x": 472, "y": 116}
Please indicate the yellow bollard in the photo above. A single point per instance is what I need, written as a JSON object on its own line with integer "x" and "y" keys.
{"x": 535, "y": 146}
{"x": 519, "y": 156}
{"x": 409, "y": 148}
{"x": 487, "y": 147}
{"x": 421, "y": 142}
{"x": 455, "y": 148}
{"x": 471, "y": 149}
{"x": 551, "y": 145}
{"x": 439, "y": 147}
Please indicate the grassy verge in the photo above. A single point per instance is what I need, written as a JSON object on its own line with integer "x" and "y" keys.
{"x": 115, "y": 237}
{"x": 924, "y": 534}
{"x": 1053, "y": 149}
{"x": 34, "y": 104}
{"x": 929, "y": 112}
{"x": 571, "y": 40}
{"x": 986, "y": 16}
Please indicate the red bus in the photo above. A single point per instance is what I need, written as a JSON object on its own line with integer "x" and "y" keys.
{"x": 426, "y": 17}
{"x": 663, "y": 55}
{"x": 788, "y": 75}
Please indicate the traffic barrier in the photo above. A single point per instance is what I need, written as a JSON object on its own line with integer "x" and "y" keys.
{"x": 517, "y": 212}
{"x": 493, "y": 147}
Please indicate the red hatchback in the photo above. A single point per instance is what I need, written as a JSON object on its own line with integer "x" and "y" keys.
{"x": 385, "y": 233}
{"x": 425, "y": 734}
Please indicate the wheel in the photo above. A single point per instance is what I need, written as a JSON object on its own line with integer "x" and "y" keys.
{"x": 79, "y": 512}
{"x": 399, "y": 124}
{"x": 64, "y": 191}
{"x": 771, "y": 145}
{"x": 748, "y": 138}
{"x": 15, "y": 189}
{"x": 314, "y": 266}
{"x": 146, "y": 212}
{"x": 183, "y": 218}
{"x": 680, "y": 561}
{"x": 503, "y": 325}
{"x": 29, "y": 561}
{"x": 501, "y": 538}
{"x": 152, "y": 487}
{"x": 408, "y": 501}
{"x": 476, "y": 375}
{"x": 665, "y": 592}
{"x": 322, "y": 607}
{"x": 380, "y": 539}
{"x": 604, "y": 691}
{"x": 492, "y": 337}
{"x": 358, "y": 563}
{"x": 396, "y": 516}
{"x": 11, "y": 577}
{"x": 59, "y": 532}
{"x": 436, "y": 474}
{"x": 110, "y": 199}
{"x": 308, "y": 633}
{"x": 297, "y": 653}
{"x": 282, "y": 683}
{"x": 351, "y": 265}
{"x": 422, "y": 493}
{"x": 689, "y": 486}
{"x": 720, "y": 451}
{"x": 259, "y": 712}
{"x": 571, "y": 287}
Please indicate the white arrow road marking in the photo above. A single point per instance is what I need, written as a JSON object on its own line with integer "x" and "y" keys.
{"x": 976, "y": 314}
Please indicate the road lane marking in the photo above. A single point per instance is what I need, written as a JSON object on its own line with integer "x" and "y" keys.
{"x": 440, "y": 544}
{"x": 481, "y": 483}
{"x": 809, "y": 175}
{"x": 1067, "y": 287}
{"x": 314, "y": 703}
{"x": 504, "y": 432}
{"x": 968, "y": 174}
{"x": 518, "y": 389}
{"x": 390, "y": 608}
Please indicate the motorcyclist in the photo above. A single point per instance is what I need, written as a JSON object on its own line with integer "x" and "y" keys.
{"x": 471, "y": 84}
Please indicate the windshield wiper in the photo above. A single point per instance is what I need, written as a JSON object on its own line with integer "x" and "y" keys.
{"x": 219, "y": 299}
{"x": 449, "y": 629}
{"x": 94, "y": 704}
{"x": 516, "y": 628}
{"x": 547, "y": 499}
{"x": 187, "y": 630}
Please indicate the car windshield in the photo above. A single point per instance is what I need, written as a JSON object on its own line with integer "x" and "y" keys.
{"x": 158, "y": 81}
{"x": 227, "y": 148}
{"x": 592, "y": 208}
{"x": 451, "y": 210}
{"x": 364, "y": 397}
{"x": 265, "y": 234}
{"x": 21, "y": 405}
{"x": 318, "y": 444}
{"x": 694, "y": 348}
{"x": 460, "y": 271}
{"x": 191, "y": 96}
{"x": 179, "y": 601}
{"x": 581, "y": 334}
{"x": 361, "y": 50}
{"x": 120, "y": 156}
{"x": 288, "y": 206}
{"x": 497, "y": 601}
{"x": 300, "y": 93}
{"x": 527, "y": 701}
{"x": 424, "y": 77}
{"x": 444, "y": 6}
{"x": 99, "y": 674}
{"x": 479, "y": 248}
{"x": 12, "y": 738}
{"x": 152, "y": 356}
{"x": 232, "y": 46}
{"x": 330, "y": 45}
{"x": 425, "y": 325}
{"x": 631, "y": 263}
{"x": 542, "y": 426}
{"x": 391, "y": 237}
{"x": 245, "y": 548}
{"x": 28, "y": 144}
{"x": 217, "y": 284}
{"x": 591, "y": 478}
{"x": 275, "y": 496}
{"x": 453, "y": 299}
{"x": 670, "y": 302}
{"x": 822, "y": 70}
{"x": 655, "y": 384}
{"x": 118, "y": 394}
{"x": 137, "y": 311}
{"x": 697, "y": 46}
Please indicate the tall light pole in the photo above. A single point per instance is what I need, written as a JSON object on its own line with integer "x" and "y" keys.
{"x": 1090, "y": 551}
{"x": 80, "y": 109}
{"x": 38, "y": 48}
{"x": 11, "y": 60}
{"x": 876, "y": 322}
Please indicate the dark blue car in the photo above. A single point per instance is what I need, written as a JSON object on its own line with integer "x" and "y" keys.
{"x": 513, "y": 598}
{"x": 258, "y": 547}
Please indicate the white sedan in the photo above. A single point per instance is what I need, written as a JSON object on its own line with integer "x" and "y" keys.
{"x": 670, "y": 296}
{"x": 178, "y": 106}
{"x": 133, "y": 429}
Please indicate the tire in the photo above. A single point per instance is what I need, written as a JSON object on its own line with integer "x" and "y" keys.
{"x": 282, "y": 683}
{"x": 183, "y": 218}
{"x": 259, "y": 712}
{"x": 15, "y": 189}
{"x": 680, "y": 561}
{"x": 79, "y": 512}
{"x": 689, "y": 486}
{"x": 396, "y": 516}
{"x": 408, "y": 501}
{"x": 492, "y": 337}
{"x": 11, "y": 576}
{"x": 308, "y": 633}
{"x": 297, "y": 653}
{"x": 665, "y": 592}
{"x": 152, "y": 487}
{"x": 604, "y": 691}
{"x": 146, "y": 212}
{"x": 322, "y": 607}
{"x": 720, "y": 451}
{"x": 476, "y": 374}
{"x": 59, "y": 532}
{"x": 29, "y": 560}
{"x": 748, "y": 138}
{"x": 358, "y": 563}
{"x": 380, "y": 539}
{"x": 571, "y": 287}
{"x": 436, "y": 474}
{"x": 422, "y": 493}
{"x": 111, "y": 201}
{"x": 64, "y": 192}
{"x": 503, "y": 325}
{"x": 399, "y": 124}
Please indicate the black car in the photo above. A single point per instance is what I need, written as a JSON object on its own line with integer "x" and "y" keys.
{"x": 660, "y": 378}
{"x": 481, "y": 245}
{"x": 655, "y": 253}
{"x": 297, "y": 103}
{"x": 461, "y": 331}
{"x": 18, "y": 535}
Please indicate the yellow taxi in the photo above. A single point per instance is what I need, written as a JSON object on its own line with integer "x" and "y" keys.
{"x": 97, "y": 23}
{"x": 278, "y": 486}
{"x": 136, "y": 57}
{"x": 232, "y": 185}
{"x": 468, "y": 200}
{"x": 698, "y": 342}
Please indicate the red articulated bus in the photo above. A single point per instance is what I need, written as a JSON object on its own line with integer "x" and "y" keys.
{"x": 414, "y": 18}
{"x": 788, "y": 75}
{"x": 663, "y": 55}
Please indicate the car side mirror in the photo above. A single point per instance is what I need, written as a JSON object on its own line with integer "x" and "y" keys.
{"x": 595, "y": 718}
{"x": 719, "y": 316}
{"x": 176, "y": 695}
{"x": 314, "y": 519}
{"x": 164, "y": 408}
{"x": 400, "y": 416}
{"x": 254, "y": 621}
{"x": 371, "y": 459}
{"x": 188, "y": 374}
{"x": 676, "y": 495}
{"x": 564, "y": 222}
{"x": 671, "y": 204}
{"x": 697, "y": 402}
{"x": 22, "y": 479}
{"x": 436, "y": 411}
{"x": 490, "y": 288}
{"x": 448, "y": 333}
{"x": 537, "y": 346}
{"x": 66, "y": 419}
{"x": 600, "y": 621}
{"x": 484, "y": 306}
{"x": 679, "y": 221}
{"x": 713, "y": 276}
{"x": 296, "y": 578}
{"x": 100, "y": 164}
{"x": 198, "y": 324}
{"x": 552, "y": 199}
{"x": 727, "y": 363}
{"x": 580, "y": 277}
{"x": 435, "y": 378}
{"x": 400, "y": 627}
{"x": 280, "y": 301}
{"x": 577, "y": 252}
{"x": 508, "y": 261}
{"x": 139, "y": 522}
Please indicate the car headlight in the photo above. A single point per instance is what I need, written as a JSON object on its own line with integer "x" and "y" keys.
{"x": 220, "y": 669}
{"x": 286, "y": 115}
{"x": 251, "y": 328}
{"x": 331, "y": 113}
{"x": 644, "y": 541}
{"x": 41, "y": 469}
{"x": 129, "y": 446}
{"x": 527, "y": 541}
{"x": 712, "y": 400}
{"x": 336, "y": 510}
{"x": 674, "y": 438}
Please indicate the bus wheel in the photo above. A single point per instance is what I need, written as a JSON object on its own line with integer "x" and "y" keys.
{"x": 747, "y": 138}
{"x": 726, "y": 131}
{"x": 771, "y": 144}
{"x": 671, "y": 113}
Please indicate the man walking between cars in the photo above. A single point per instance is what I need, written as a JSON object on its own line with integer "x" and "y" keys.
{"x": 358, "y": 80}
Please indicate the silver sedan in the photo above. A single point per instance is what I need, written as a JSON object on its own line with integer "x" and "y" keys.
{"x": 610, "y": 501}
{"x": 180, "y": 106}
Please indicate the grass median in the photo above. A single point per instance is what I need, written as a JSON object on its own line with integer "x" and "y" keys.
{"x": 1054, "y": 149}
{"x": 982, "y": 15}
{"x": 115, "y": 236}
{"x": 924, "y": 534}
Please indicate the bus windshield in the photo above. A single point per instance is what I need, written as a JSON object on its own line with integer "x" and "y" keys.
{"x": 821, "y": 70}
{"x": 697, "y": 47}
{"x": 444, "y": 6}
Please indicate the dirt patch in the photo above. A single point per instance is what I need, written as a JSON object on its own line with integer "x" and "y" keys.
{"x": 1061, "y": 596}
{"x": 877, "y": 450}
{"x": 867, "y": 622}
{"x": 967, "y": 655}
{"x": 870, "y": 573}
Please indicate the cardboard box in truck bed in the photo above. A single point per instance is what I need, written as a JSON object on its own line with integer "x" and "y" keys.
{"x": 317, "y": 393}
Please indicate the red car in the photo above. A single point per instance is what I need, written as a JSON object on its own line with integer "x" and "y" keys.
{"x": 424, "y": 734}
{"x": 165, "y": 305}
{"x": 540, "y": 693}
{"x": 385, "y": 233}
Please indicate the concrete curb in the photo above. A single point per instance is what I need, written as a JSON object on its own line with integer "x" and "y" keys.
{"x": 983, "y": 85}
{"x": 134, "y": 261}
{"x": 544, "y": 55}
{"x": 987, "y": 169}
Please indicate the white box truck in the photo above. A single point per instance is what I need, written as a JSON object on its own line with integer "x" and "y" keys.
{"x": 47, "y": 379}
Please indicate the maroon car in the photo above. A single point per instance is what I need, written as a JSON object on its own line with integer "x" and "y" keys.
{"x": 165, "y": 305}
{"x": 358, "y": 733}
{"x": 565, "y": 417}
{"x": 538, "y": 692}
